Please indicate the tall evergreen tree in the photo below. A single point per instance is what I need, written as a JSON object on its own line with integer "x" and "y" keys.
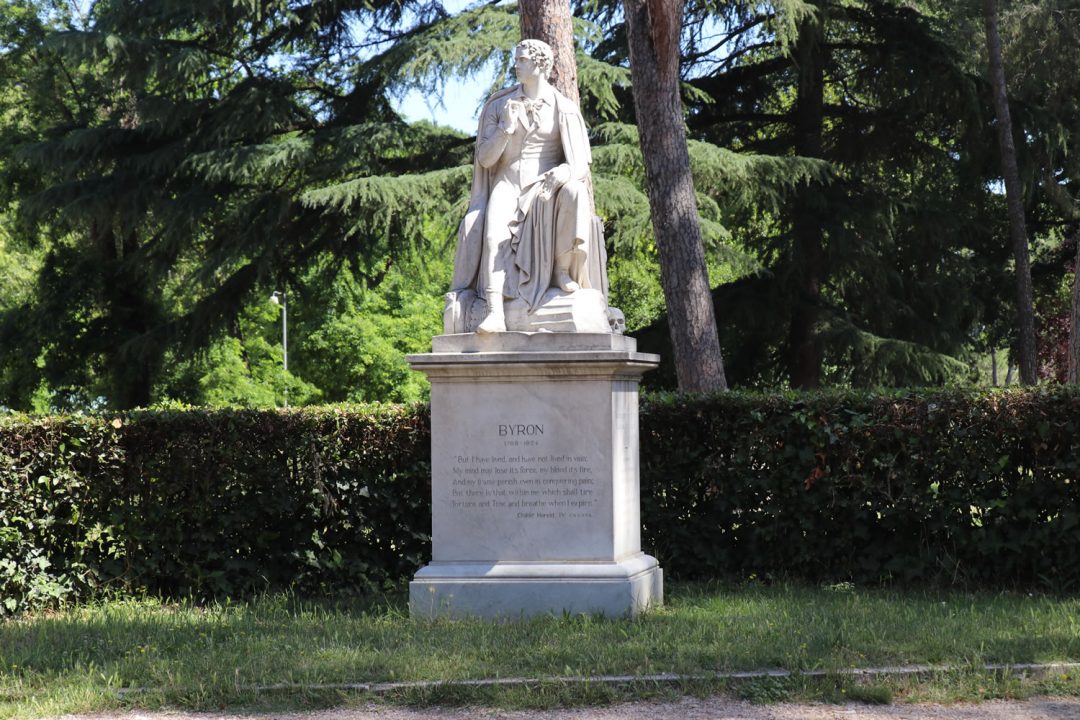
{"x": 225, "y": 148}
{"x": 40, "y": 89}
{"x": 1074, "y": 321}
{"x": 1043, "y": 76}
{"x": 853, "y": 285}
{"x": 654, "y": 31}
{"x": 1026, "y": 351}
{"x": 808, "y": 252}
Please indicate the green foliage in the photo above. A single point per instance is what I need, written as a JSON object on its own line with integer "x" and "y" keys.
{"x": 241, "y": 370}
{"x": 866, "y": 360}
{"x": 402, "y": 199}
{"x": 51, "y": 470}
{"x": 730, "y": 186}
{"x": 203, "y": 156}
{"x": 164, "y": 166}
{"x": 598, "y": 82}
{"x": 461, "y": 45}
{"x": 935, "y": 488}
{"x": 211, "y": 503}
{"x": 355, "y": 349}
{"x": 974, "y": 488}
{"x": 17, "y": 269}
{"x": 635, "y": 288}
{"x": 885, "y": 234}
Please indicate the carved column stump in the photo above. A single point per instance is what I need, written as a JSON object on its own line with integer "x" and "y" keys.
{"x": 535, "y": 490}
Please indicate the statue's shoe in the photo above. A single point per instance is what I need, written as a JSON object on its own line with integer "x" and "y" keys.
{"x": 493, "y": 323}
{"x": 565, "y": 282}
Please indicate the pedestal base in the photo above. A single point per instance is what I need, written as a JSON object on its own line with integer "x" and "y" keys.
{"x": 514, "y": 590}
{"x": 534, "y": 477}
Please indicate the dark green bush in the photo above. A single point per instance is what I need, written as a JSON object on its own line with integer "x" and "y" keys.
{"x": 55, "y": 476}
{"x": 212, "y": 503}
{"x": 944, "y": 488}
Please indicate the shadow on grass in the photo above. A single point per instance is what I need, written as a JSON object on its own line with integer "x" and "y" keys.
{"x": 202, "y": 657}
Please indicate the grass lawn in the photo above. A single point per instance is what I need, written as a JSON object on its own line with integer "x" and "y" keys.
{"x": 216, "y": 656}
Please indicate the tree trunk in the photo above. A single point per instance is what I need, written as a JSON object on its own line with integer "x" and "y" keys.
{"x": 808, "y": 254}
{"x": 127, "y": 316}
{"x": 549, "y": 20}
{"x": 1026, "y": 356}
{"x": 653, "y": 28}
{"x": 132, "y": 312}
{"x": 1074, "y": 321}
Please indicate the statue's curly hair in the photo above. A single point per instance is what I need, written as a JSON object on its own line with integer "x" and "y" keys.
{"x": 539, "y": 52}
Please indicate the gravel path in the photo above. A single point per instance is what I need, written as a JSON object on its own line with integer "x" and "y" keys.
{"x": 685, "y": 709}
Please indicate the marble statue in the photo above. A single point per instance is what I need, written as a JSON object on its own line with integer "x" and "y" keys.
{"x": 530, "y": 253}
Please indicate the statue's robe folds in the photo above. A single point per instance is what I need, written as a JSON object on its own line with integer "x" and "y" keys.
{"x": 528, "y": 228}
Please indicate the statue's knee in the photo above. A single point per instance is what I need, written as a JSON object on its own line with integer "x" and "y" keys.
{"x": 574, "y": 190}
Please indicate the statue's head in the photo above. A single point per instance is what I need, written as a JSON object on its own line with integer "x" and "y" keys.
{"x": 539, "y": 52}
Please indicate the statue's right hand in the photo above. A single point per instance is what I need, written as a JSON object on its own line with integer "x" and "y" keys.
{"x": 510, "y": 115}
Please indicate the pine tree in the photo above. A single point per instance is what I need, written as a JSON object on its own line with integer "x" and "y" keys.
{"x": 863, "y": 280}
{"x": 224, "y": 149}
{"x": 808, "y": 254}
{"x": 1043, "y": 77}
{"x": 1073, "y": 375}
{"x": 653, "y": 30}
{"x": 1026, "y": 351}
{"x": 39, "y": 89}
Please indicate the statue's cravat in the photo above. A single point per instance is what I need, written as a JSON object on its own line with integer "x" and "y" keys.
{"x": 532, "y": 111}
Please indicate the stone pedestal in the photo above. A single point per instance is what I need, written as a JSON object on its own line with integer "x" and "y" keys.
{"x": 534, "y": 463}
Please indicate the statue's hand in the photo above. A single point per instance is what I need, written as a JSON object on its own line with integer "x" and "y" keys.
{"x": 511, "y": 115}
{"x": 555, "y": 178}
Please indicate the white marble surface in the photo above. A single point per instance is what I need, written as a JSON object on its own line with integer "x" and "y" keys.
{"x": 530, "y": 251}
{"x": 531, "y": 342}
{"x": 514, "y": 590}
{"x": 535, "y": 491}
{"x": 582, "y": 311}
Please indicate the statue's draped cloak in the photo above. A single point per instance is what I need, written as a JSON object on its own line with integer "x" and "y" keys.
{"x": 537, "y": 217}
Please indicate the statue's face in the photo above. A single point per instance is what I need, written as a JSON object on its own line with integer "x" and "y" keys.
{"x": 525, "y": 67}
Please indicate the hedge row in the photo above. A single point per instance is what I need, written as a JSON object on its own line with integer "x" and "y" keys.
{"x": 943, "y": 488}
{"x": 212, "y": 503}
{"x": 949, "y": 487}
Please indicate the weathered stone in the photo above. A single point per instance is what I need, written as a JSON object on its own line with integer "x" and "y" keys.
{"x": 535, "y": 490}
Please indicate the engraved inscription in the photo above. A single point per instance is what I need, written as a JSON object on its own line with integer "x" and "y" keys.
{"x": 520, "y": 429}
{"x": 529, "y": 486}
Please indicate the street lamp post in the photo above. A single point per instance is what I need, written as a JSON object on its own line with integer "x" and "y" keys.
{"x": 279, "y": 298}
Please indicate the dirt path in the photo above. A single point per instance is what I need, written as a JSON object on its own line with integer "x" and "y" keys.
{"x": 685, "y": 709}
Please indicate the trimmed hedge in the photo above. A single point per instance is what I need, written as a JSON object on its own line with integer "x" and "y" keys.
{"x": 212, "y": 502}
{"x": 947, "y": 487}
{"x": 944, "y": 488}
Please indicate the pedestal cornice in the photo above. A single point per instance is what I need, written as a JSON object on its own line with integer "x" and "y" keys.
{"x": 537, "y": 356}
